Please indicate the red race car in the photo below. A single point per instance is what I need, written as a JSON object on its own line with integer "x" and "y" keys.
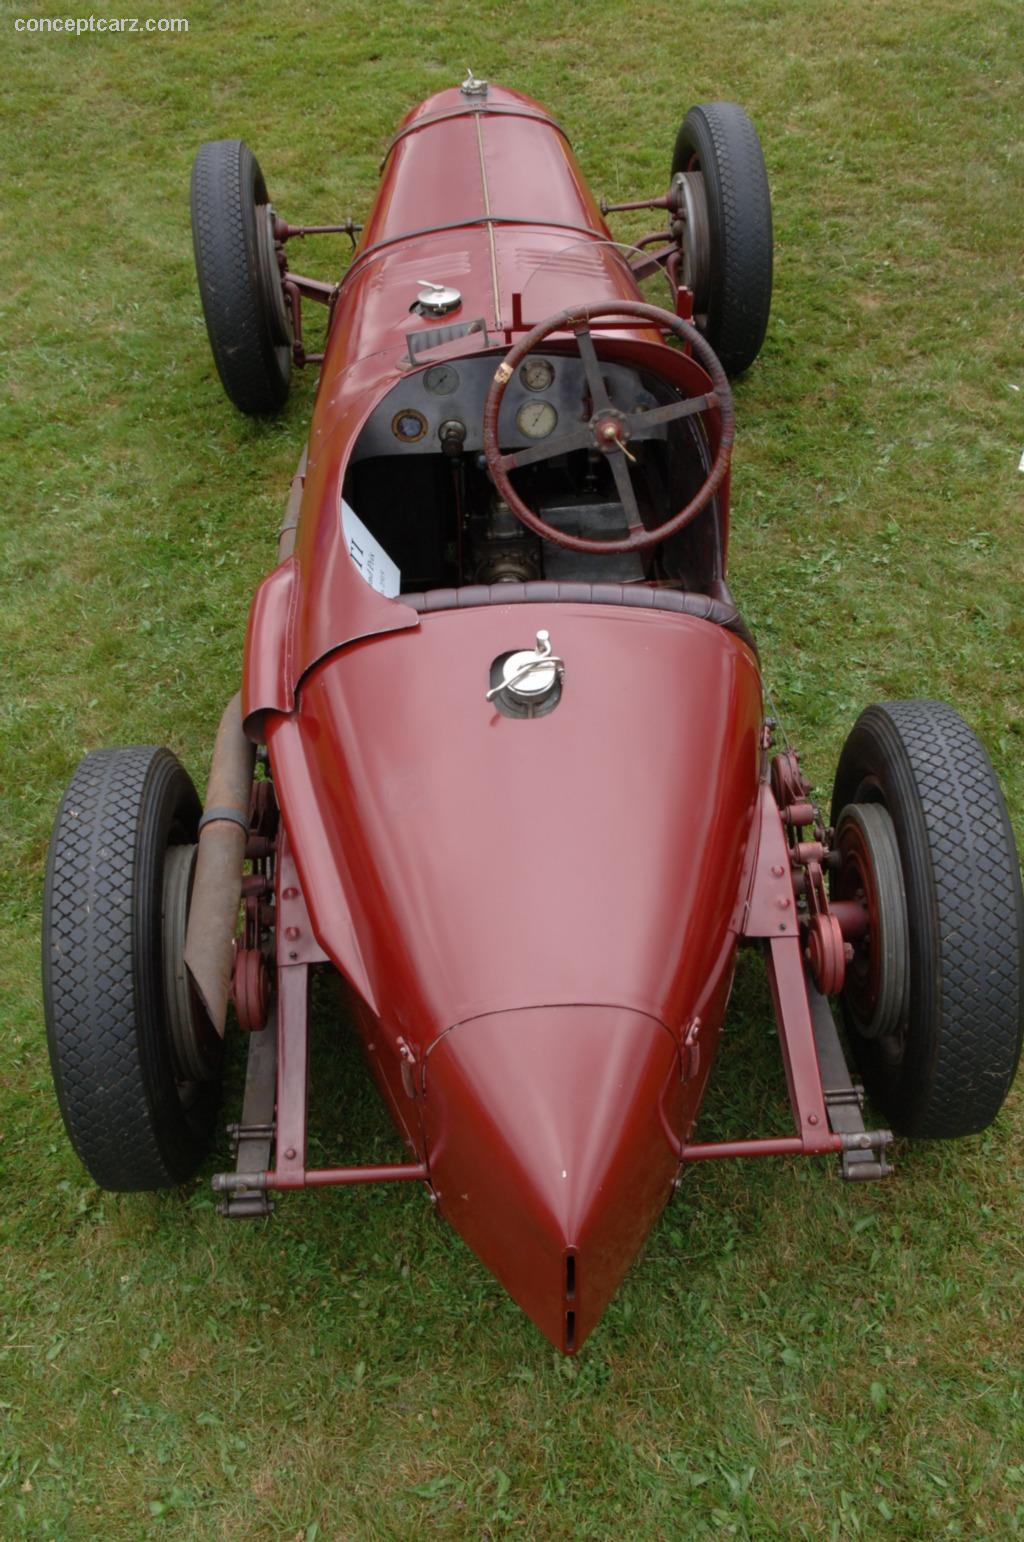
{"x": 500, "y": 759}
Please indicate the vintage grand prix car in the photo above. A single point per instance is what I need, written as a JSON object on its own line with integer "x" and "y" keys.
{"x": 500, "y": 760}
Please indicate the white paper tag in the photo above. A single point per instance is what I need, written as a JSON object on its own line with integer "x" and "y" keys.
{"x": 369, "y": 555}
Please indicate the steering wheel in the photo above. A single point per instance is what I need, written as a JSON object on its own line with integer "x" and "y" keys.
{"x": 608, "y": 429}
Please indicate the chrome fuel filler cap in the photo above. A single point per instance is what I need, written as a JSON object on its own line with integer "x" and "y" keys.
{"x": 531, "y": 675}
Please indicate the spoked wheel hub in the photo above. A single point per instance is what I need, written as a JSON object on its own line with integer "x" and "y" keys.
{"x": 870, "y": 875}
{"x": 270, "y": 276}
{"x": 196, "y": 1049}
{"x": 689, "y": 205}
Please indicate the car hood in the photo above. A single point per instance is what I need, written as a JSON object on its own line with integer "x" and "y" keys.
{"x": 457, "y": 862}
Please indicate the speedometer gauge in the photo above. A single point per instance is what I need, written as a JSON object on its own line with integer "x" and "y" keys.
{"x": 536, "y": 419}
{"x": 537, "y": 374}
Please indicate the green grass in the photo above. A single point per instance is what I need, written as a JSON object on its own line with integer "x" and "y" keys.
{"x": 790, "y": 1358}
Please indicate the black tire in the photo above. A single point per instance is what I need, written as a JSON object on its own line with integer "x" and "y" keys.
{"x": 133, "y": 1120}
{"x": 239, "y": 282}
{"x": 947, "y": 1068}
{"x": 719, "y": 140}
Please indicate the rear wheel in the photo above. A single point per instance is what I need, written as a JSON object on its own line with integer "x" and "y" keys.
{"x": 135, "y": 1063}
{"x": 240, "y": 285}
{"x": 722, "y": 207}
{"x": 933, "y": 996}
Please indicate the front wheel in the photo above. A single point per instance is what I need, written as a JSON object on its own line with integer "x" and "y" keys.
{"x": 135, "y": 1063}
{"x": 247, "y": 317}
{"x": 933, "y": 996}
{"x": 722, "y": 208}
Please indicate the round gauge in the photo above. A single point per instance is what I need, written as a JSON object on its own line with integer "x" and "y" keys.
{"x": 536, "y": 419}
{"x": 537, "y": 374}
{"x": 408, "y": 426}
{"x": 442, "y": 380}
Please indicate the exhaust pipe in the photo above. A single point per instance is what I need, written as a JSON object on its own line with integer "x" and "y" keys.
{"x": 217, "y": 886}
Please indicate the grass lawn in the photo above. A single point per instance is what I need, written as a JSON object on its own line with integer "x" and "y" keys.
{"x": 790, "y": 1357}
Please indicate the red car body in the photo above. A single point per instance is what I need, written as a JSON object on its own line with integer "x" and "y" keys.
{"x": 528, "y": 915}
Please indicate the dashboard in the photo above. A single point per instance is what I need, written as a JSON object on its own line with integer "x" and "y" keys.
{"x": 547, "y": 392}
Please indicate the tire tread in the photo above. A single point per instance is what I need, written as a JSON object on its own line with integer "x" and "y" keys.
{"x": 968, "y": 865}
{"x": 224, "y": 175}
{"x": 736, "y": 178}
{"x": 115, "y": 1116}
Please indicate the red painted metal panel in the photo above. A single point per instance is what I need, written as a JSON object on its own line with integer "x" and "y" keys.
{"x": 292, "y": 1072}
{"x": 324, "y": 876}
{"x": 478, "y": 863}
{"x": 466, "y": 166}
{"x": 295, "y": 942}
{"x": 571, "y": 879}
{"x": 547, "y": 1133}
{"x": 397, "y": 1082}
{"x": 267, "y": 683}
{"x": 773, "y": 1146}
{"x": 796, "y": 1036}
{"x": 767, "y": 905}
{"x": 343, "y": 1177}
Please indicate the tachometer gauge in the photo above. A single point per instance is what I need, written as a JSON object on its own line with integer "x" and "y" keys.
{"x": 442, "y": 380}
{"x": 536, "y": 419}
{"x": 537, "y": 374}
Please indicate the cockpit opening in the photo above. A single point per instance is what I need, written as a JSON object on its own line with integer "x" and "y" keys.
{"x": 419, "y": 482}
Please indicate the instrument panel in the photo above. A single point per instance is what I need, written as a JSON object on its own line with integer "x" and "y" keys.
{"x": 547, "y": 393}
